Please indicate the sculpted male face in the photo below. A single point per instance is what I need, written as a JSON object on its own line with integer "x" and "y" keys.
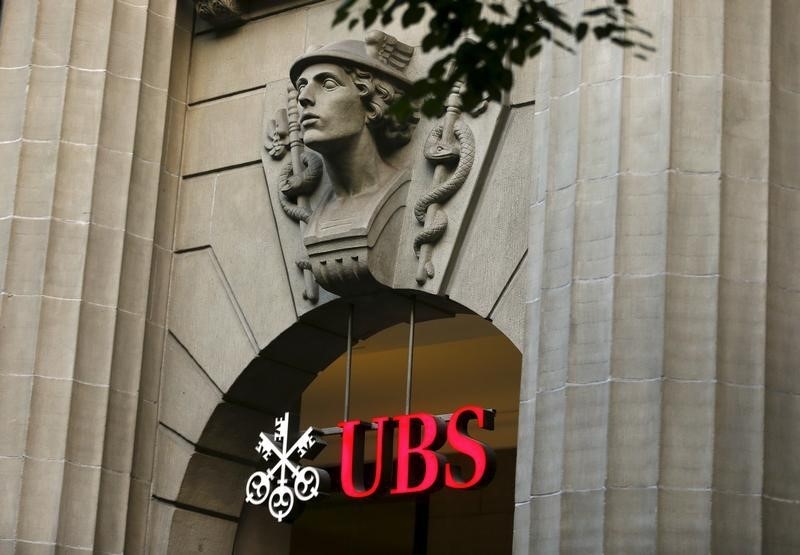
{"x": 331, "y": 110}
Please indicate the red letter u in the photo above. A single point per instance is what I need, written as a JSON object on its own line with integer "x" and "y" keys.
{"x": 352, "y": 475}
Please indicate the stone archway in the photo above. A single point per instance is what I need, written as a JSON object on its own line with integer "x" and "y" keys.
{"x": 212, "y": 483}
{"x": 232, "y": 296}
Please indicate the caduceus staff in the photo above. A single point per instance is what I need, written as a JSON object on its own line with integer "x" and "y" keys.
{"x": 450, "y": 143}
{"x": 298, "y": 180}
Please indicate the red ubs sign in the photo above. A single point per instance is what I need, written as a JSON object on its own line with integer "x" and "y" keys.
{"x": 420, "y": 467}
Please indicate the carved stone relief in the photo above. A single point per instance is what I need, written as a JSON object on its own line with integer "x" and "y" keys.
{"x": 338, "y": 125}
{"x": 345, "y": 188}
{"x": 445, "y": 186}
{"x": 451, "y": 149}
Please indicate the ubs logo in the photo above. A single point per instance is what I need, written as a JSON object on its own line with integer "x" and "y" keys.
{"x": 418, "y": 467}
{"x": 286, "y": 482}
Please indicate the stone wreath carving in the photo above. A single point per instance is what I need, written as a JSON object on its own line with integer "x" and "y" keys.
{"x": 450, "y": 144}
{"x": 220, "y": 13}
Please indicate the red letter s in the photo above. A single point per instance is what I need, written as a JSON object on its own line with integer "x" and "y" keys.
{"x": 480, "y": 453}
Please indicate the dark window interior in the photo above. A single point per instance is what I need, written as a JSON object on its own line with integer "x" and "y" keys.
{"x": 478, "y": 522}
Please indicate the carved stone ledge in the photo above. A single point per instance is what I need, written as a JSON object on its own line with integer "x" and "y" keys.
{"x": 221, "y": 14}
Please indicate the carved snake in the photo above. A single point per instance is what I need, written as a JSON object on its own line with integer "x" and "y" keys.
{"x": 438, "y": 152}
{"x": 292, "y": 187}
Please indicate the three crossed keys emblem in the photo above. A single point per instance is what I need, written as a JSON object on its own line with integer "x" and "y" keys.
{"x": 286, "y": 482}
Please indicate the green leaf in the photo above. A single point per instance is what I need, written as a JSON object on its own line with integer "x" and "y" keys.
{"x": 431, "y": 107}
{"x": 370, "y": 15}
{"x": 495, "y": 44}
{"x": 597, "y": 11}
{"x": 498, "y": 9}
{"x": 428, "y": 43}
{"x": 624, "y": 43}
{"x": 343, "y": 11}
{"x": 581, "y": 30}
{"x": 517, "y": 55}
{"x": 564, "y": 46}
{"x": 601, "y": 32}
{"x": 412, "y": 15}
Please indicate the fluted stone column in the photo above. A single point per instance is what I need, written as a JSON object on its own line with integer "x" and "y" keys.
{"x": 655, "y": 310}
{"x": 781, "y": 501}
{"x": 83, "y": 90}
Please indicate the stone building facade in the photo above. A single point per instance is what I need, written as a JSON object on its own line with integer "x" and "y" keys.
{"x": 631, "y": 227}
